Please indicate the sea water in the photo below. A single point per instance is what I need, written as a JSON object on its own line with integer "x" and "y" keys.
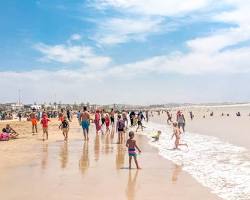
{"x": 218, "y": 165}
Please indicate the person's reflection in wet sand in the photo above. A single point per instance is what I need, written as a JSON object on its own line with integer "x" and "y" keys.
{"x": 108, "y": 147}
{"x": 120, "y": 157}
{"x": 84, "y": 161}
{"x": 112, "y": 133}
{"x": 97, "y": 147}
{"x": 64, "y": 155}
{"x": 176, "y": 171}
{"x": 131, "y": 187}
{"x": 45, "y": 155}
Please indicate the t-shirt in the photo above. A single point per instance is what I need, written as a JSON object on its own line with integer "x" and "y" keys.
{"x": 44, "y": 122}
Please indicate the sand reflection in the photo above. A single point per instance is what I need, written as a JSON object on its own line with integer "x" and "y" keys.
{"x": 64, "y": 155}
{"x": 45, "y": 155}
{"x": 84, "y": 161}
{"x": 131, "y": 187}
{"x": 97, "y": 147}
{"x": 120, "y": 157}
{"x": 176, "y": 172}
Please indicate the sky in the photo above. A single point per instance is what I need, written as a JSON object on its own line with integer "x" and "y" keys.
{"x": 125, "y": 51}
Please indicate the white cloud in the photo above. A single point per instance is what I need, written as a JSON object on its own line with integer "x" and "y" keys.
{"x": 155, "y": 7}
{"x": 75, "y": 37}
{"x": 121, "y": 30}
{"x": 69, "y": 54}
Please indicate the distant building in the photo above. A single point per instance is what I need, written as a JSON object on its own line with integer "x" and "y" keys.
{"x": 17, "y": 106}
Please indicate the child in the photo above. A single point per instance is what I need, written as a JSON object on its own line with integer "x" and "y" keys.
{"x": 120, "y": 129}
{"x": 4, "y": 136}
{"x": 44, "y": 123}
{"x": 107, "y": 122}
{"x": 65, "y": 128}
{"x": 176, "y": 133}
{"x": 131, "y": 145}
{"x": 34, "y": 123}
{"x": 12, "y": 133}
{"x": 157, "y": 136}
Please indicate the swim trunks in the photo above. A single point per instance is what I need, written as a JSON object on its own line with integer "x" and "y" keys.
{"x": 85, "y": 124}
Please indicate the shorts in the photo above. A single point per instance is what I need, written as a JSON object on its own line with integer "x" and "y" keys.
{"x": 120, "y": 130}
{"x": 85, "y": 124}
{"x": 139, "y": 123}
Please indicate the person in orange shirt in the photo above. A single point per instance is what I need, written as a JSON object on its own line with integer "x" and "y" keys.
{"x": 33, "y": 122}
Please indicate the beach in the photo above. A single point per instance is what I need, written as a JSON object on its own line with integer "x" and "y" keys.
{"x": 54, "y": 169}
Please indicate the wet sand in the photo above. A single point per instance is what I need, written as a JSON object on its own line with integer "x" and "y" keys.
{"x": 33, "y": 169}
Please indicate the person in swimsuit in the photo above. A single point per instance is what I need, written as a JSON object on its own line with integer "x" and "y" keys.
{"x": 140, "y": 117}
{"x": 120, "y": 126}
{"x": 44, "y": 123}
{"x": 157, "y": 136}
{"x": 181, "y": 121}
{"x": 64, "y": 126}
{"x": 103, "y": 117}
{"x": 12, "y": 133}
{"x": 132, "y": 146}
{"x": 97, "y": 121}
{"x": 169, "y": 120}
{"x": 85, "y": 121}
{"x": 33, "y": 122}
{"x": 112, "y": 117}
{"x": 177, "y": 133}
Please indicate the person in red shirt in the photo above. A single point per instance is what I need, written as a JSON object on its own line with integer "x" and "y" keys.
{"x": 45, "y": 121}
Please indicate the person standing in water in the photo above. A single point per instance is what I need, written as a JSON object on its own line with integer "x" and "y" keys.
{"x": 181, "y": 121}
{"x": 177, "y": 133}
{"x": 169, "y": 121}
{"x": 85, "y": 122}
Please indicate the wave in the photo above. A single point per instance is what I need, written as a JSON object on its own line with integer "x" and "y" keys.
{"x": 218, "y": 165}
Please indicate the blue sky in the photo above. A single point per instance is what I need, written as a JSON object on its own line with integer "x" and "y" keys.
{"x": 121, "y": 51}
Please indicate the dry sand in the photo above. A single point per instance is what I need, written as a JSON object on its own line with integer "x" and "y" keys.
{"x": 32, "y": 169}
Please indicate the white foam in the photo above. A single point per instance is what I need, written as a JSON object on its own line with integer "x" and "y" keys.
{"x": 220, "y": 166}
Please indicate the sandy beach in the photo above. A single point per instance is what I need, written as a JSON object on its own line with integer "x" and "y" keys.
{"x": 54, "y": 169}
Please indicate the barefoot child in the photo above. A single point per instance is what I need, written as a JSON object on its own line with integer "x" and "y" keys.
{"x": 176, "y": 133}
{"x": 131, "y": 145}
{"x": 44, "y": 123}
{"x": 157, "y": 136}
{"x": 65, "y": 128}
{"x": 33, "y": 122}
